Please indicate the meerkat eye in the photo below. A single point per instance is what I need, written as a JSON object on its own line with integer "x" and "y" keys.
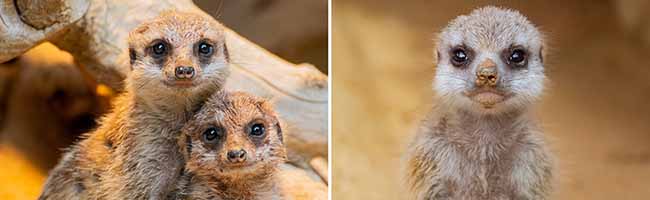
{"x": 517, "y": 56}
{"x": 205, "y": 49}
{"x": 212, "y": 134}
{"x": 159, "y": 49}
{"x": 459, "y": 57}
{"x": 257, "y": 130}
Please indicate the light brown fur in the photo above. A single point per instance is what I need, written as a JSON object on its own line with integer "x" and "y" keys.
{"x": 480, "y": 142}
{"x": 134, "y": 154}
{"x": 209, "y": 174}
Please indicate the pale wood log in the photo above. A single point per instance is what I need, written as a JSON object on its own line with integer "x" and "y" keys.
{"x": 299, "y": 184}
{"x": 319, "y": 164}
{"x": 40, "y": 20}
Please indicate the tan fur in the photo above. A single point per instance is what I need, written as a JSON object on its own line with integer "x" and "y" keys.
{"x": 469, "y": 151}
{"x": 134, "y": 153}
{"x": 208, "y": 173}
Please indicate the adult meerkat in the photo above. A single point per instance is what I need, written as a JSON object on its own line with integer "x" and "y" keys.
{"x": 234, "y": 146}
{"x": 480, "y": 142}
{"x": 177, "y": 61}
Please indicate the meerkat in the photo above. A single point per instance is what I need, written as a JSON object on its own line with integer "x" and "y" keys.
{"x": 480, "y": 141}
{"x": 177, "y": 61}
{"x": 234, "y": 146}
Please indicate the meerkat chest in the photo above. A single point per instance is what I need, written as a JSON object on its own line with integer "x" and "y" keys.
{"x": 487, "y": 179}
{"x": 484, "y": 169}
{"x": 147, "y": 152}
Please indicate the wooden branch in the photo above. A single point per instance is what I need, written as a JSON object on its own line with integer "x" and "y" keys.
{"x": 25, "y": 23}
{"x": 319, "y": 164}
{"x": 299, "y": 184}
{"x": 95, "y": 33}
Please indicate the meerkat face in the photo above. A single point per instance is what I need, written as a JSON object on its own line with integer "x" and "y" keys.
{"x": 234, "y": 134}
{"x": 489, "y": 61}
{"x": 178, "y": 53}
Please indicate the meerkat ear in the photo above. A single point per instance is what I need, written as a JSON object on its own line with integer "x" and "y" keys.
{"x": 437, "y": 42}
{"x": 264, "y": 104}
{"x": 541, "y": 54}
{"x": 184, "y": 141}
{"x": 279, "y": 132}
{"x": 132, "y": 57}
{"x": 188, "y": 142}
{"x": 225, "y": 52}
{"x": 142, "y": 28}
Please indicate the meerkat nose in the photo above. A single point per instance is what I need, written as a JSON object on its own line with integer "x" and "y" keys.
{"x": 237, "y": 156}
{"x": 487, "y": 73}
{"x": 184, "y": 72}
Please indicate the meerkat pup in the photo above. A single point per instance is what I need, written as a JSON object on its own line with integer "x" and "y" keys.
{"x": 178, "y": 60}
{"x": 480, "y": 142}
{"x": 234, "y": 145}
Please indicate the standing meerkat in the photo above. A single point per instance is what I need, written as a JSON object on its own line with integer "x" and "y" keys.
{"x": 177, "y": 61}
{"x": 234, "y": 145}
{"x": 480, "y": 142}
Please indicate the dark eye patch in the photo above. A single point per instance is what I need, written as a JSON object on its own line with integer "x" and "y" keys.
{"x": 516, "y": 56}
{"x": 460, "y": 56}
{"x": 257, "y": 130}
{"x": 159, "y": 48}
{"x": 204, "y": 49}
{"x": 213, "y": 135}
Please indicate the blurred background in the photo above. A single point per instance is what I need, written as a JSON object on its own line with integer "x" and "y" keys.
{"x": 46, "y": 102}
{"x": 294, "y": 30}
{"x": 595, "y": 112}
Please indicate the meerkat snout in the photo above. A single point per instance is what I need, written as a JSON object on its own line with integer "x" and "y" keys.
{"x": 237, "y": 156}
{"x": 487, "y": 74}
{"x": 183, "y": 72}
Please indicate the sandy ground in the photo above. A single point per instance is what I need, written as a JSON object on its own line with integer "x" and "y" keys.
{"x": 595, "y": 110}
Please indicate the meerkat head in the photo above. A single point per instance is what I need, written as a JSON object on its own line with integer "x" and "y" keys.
{"x": 234, "y": 135}
{"x": 177, "y": 54}
{"x": 489, "y": 62}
